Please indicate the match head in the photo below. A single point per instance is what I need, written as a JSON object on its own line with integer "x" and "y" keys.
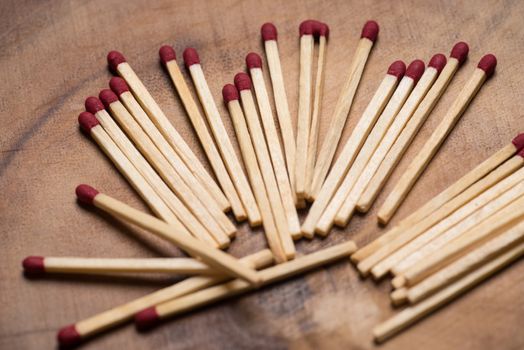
{"x": 370, "y": 30}
{"x": 460, "y": 51}
{"x": 518, "y": 141}
{"x": 487, "y": 64}
{"x": 69, "y": 336}
{"x": 86, "y": 194}
{"x": 167, "y": 53}
{"x": 268, "y": 31}
{"x": 521, "y": 153}
{"x": 307, "y": 27}
{"x": 438, "y": 62}
{"x": 118, "y": 85}
{"x": 146, "y": 319}
{"x": 415, "y": 70}
{"x": 322, "y": 29}
{"x": 33, "y": 265}
{"x": 191, "y": 57}
{"x": 107, "y": 97}
{"x": 87, "y": 121}
{"x": 93, "y": 104}
{"x": 253, "y": 60}
{"x": 242, "y": 81}
{"x": 397, "y": 69}
{"x": 114, "y": 58}
{"x": 229, "y": 93}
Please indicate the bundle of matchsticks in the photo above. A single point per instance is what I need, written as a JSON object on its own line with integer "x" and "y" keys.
{"x": 283, "y": 173}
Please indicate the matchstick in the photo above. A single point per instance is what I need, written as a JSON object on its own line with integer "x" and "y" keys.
{"x": 269, "y": 36}
{"x": 434, "y": 68}
{"x": 118, "y": 64}
{"x": 39, "y": 265}
{"x": 230, "y": 95}
{"x": 473, "y": 212}
{"x": 243, "y": 84}
{"x": 150, "y": 317}
{"x": 484, "y": 70}
{"x": 174, "y": 174}
{"x": 375, "y": 107}
{"x": 404, "y": 88}
{"x": 192, "y": 62}
{"x": 345, "y": 100}
{"x": 254, "y": 65}
{"x": 458, "y": 55}
{"x": 91, "y": 126}
{"x": 445, "y": 196}
{"x": 211, "y": 256}
{"x": 458, "y": 247}
{"x": 409, "y": 232}
{"x": 75, "y": 333}
{"x": 411, "y": 314}
{"x": 168, "y": 58}
{"x": 323, "y": 33}
{"x": 478, "y": 257}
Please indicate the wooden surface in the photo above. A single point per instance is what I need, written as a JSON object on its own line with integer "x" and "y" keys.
{"x": 53, "y": 56}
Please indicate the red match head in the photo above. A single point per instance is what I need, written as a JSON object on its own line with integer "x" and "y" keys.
{"x": 118, "y": 85}
{"x": 166, "y": 53}
{"x": 93, "y": 104}
{"x": 114, "y": 58}
{"x": 34, "y": 265}
{"x": 69, "y": 336}
{"x": 268, "y": 31}
{"x": 307, "y": 27}
{"x": 438, "y": 62}
{"x": 488, "y": 64}
{"x": 253, "y": 60}
{"x": 190, "y": 57}
{"x": 415, "y": 70}
{"x": 521, "y": 153}
{"x": 107, "y": 97}
{"x": 86, "y": 194}
{"x": 518, "y": 141}
{"x": 242, "y": 81}
{"x": 370, "y": 30}
{"x": 229, "y": 93}
{"x": 146, "y": 319}
{"x": 87, "y": 121}
{"x": 322, "y": 29}
{"x": 460, "y": 51}
{"x": 397, "y": 69}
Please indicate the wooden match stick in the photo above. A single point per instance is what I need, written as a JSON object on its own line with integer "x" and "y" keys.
{"x": 458, "y": 55}
{"x": 243, "y": 84}
{"x": 473, "y": 212}
{"x": 174, "y": 173}
{"x": 168, "y": 58}
{"x": 254, "y": 65}
{"x": 38, "y": 265}
{"x": 478, "y": 257}
{"x": 434, "y": 68}
{"x": 445, "y": 196}
{"x": 329, "y": 146}
{"x": 484, "y": 70}
{"x": 323, "y": 33}
{"x": 219, "y": 131}
{"x": 211, "y": 256}
{"x": 411, "y": 314}
{"x": 409, "y": 232}
{"x": 375, "y": 107}
{"x": 91, "y": 126}
{"x": 230, "y": 95}
{"x": 150, "y": 317}
{"x": 404, "y": 88}
{"x": 76, "y": 333}
{"x": 482, "y": 231}
{"x": 118, "y": 64}
{"x": 269, "y": 36}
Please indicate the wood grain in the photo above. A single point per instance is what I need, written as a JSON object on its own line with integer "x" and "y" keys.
{"x": 61, "y": 48}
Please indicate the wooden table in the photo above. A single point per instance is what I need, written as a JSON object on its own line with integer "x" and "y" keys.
{"x": 53, "y": 57}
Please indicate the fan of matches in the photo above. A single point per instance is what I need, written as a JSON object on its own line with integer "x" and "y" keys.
{"x": 459, "y": 238}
